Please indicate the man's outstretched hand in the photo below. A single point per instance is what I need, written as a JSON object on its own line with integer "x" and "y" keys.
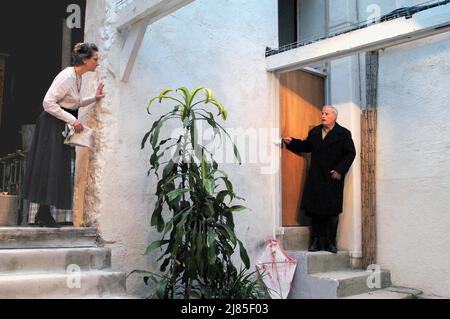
{"x": 287, "y": 140}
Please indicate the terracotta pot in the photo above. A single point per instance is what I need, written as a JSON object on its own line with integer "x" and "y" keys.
{"x": 9, "y": 205}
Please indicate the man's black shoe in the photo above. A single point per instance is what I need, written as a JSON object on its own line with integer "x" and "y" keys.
{"x": 314, "y": 244}
{"x": 332, "y": 249}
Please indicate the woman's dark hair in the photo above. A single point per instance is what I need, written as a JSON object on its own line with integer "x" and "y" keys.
{"x": 83, "y": 51}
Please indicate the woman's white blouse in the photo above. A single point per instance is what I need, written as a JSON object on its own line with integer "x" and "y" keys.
{"x": 64, "y": 93}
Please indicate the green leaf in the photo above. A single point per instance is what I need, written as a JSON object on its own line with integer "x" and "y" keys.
{"x": 204, "y": 170}
{"x": 236, "y": 153}
{"x": 229, "y": 216}
{"x": 139, "y": 271}
{"x": 144, "y": 140}
{"x": 220, "y": 107}
{"x": 179, "y": 230}
{"x": 161, "y": 287}
{"x": 244, "y": 255}
{"x": 228, "y": 233}
{"x": 228, "y": 185}
{"x": 154, "y": 137}
{"x": 150, "y": 103}
{"x": 177, "y": 193}
{"x": 167, "y": 227}
{"x": 161, "y": 223}
{"x": 183, "y": 112}
{"x": 165, "y": 264}
{"x": 164, "y": 94}
{"x": 193, "y": 132}
{"x": 195, "y": 92}
{"x": 208, "y": 184}
{"x": 212, "y": 246}
{"x": 199, "y": 248}
{"x": 210, "y": 206}
{"x": 155, "y": 245}
{"x": 187, "y": 97}
{"x": 156, "y": 213}
{"x": 238, "y": 208}
{"x": 169, "y": 169}
{"x": 221, "y": 196}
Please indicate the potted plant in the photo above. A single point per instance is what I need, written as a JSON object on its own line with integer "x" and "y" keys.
{"x": 197, "y": 234}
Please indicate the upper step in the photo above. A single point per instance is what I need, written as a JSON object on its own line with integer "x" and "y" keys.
{"x": 321, "y": 261}
{"x": 30, "y": 237}
{"x": 48, "y": 286}
{"x": 293, "y": 238}
{"x": 53, "y": 260}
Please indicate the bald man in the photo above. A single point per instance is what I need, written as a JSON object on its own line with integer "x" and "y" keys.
{"x": 332, "y": 153}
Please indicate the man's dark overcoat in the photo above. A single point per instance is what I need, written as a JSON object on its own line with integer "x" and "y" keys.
{"x": 322, "y": 195}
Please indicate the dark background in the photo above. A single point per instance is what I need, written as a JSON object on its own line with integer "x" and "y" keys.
{"x": 31, "y": 34}
{"x": 287, "y": 22}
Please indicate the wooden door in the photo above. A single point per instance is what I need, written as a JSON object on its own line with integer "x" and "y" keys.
{"x": 301, "y": 102}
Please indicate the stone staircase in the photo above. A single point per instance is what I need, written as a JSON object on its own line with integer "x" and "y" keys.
{"x": 52, "y": 263}
{"x": 323, "y": 275}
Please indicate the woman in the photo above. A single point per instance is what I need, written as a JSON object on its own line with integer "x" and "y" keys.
{"x": 47, "y": 178}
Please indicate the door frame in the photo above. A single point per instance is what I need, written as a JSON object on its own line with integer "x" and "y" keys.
{"x": 278, "y": 215}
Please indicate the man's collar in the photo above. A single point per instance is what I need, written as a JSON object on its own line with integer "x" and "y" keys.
{"x": 326, "y": 129}
{"x": 336, "y": 128}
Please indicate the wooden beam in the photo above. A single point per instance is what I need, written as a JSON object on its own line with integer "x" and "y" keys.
{"x": 150, "y": 10}
{"x": 368, "y": 162}
{"x": 138, "y": 15}
{"x": 422, "y": 24}
{"x": 131, "y": 48}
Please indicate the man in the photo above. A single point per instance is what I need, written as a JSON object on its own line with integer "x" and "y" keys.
{"x": 332, "y": 153}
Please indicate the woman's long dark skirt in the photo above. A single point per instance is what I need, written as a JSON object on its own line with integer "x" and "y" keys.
{"x": 48, "y": 178}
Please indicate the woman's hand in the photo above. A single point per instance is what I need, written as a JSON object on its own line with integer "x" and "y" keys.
{"x": 99, "y": 94}
{"x": 78, "y": 126}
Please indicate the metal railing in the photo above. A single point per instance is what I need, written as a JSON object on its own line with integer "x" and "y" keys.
{"x": 11, "y": 172}
{"x": 406, "y": 12}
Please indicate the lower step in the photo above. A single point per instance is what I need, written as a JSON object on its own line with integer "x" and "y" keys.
{"x": 336, "y": 284}
{"x": 53, "y": 259}
{"x": 352, "y": 282}
{"x": 63, "y": 286}
{"x": 382, "y": 294}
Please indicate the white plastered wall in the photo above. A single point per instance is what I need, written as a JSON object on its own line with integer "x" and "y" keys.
{"x": 218, "y": 44}
{"x": 413, "y": 151}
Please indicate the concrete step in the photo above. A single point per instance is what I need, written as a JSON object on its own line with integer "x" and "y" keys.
{"x": 111, "y": 297}
{"x": 30, "y": 237}
{"x": 348, "y": 282}
{"x": 97, "y": 284}
{"x": 321, "y": 261}
{"x": 336, "y": 284}
{"x": 293, "y": 238}
{"x": 53, "y": 259}
{"x": 382, "y": 294}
